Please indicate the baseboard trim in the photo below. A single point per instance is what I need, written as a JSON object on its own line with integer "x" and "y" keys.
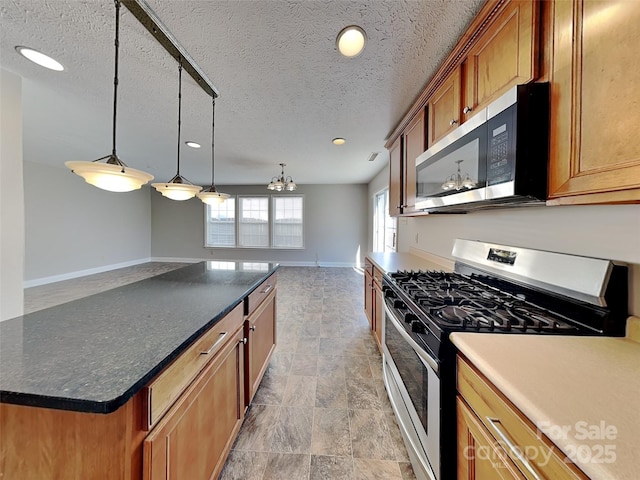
{"x": 82, "y": 273}
{"x": 283, "y": 263}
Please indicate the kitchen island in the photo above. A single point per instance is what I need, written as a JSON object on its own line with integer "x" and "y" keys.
{"x": 85, "y": 373}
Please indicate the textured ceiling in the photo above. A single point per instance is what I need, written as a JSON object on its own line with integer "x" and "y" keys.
{"x": 285, "y": 92}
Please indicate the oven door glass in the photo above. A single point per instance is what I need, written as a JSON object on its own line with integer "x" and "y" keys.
{"x": 413, "y": 372}
{"x": 453, "y": 173}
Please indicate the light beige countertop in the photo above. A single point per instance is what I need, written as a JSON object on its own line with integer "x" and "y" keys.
{"x": 393, "y": 261}
{"x": 582, "y": 392}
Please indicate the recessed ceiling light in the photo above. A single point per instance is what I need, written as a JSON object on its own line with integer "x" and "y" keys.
{"x": 351, "y": 41}
{"x": 338, "y": 141}
{"x": 191, "y": 144}
{"x": 40, "y": 58}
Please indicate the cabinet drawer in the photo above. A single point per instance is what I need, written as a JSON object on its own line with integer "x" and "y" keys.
{"x": 256, "y": 297}
{"x": 163, "y": 391}
{"x": 368, "y": 266}
{"x": 377, "y": 276}
{"x": 514, "y": 431}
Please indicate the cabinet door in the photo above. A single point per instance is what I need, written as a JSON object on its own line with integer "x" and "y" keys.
{"x": 480, "y": 456}
{"x": 261, "y": 342}
{"x": 368, "y": 297}
{"x": 395, "y": 178}
{"x": 194, "y": 438}
{"x": 444, "y": 108}
{"x": 415, "y": 143}
{"x": 378, "y": 314}
{"x": 504, "y": 56}
{"x": 595, "y": 102}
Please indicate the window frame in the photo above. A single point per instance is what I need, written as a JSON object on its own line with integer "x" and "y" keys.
{"x": 270, "y": 221}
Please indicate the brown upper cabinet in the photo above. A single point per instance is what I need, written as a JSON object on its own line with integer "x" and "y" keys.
{"x": 415, "y": 143}
{"x": 402, "y": 165}
{"x": 444, "y": 107}
{"x": 595, "y": 102}
{"x": 395, "y": 178}
{"x": 505, "y": 55}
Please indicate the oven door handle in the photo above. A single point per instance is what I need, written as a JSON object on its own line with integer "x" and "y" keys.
{"x": 422, "y": 354}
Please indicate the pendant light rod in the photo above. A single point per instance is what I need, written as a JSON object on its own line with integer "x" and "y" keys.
{"x": 147, "y": 17}
{"x": 115, "y": 77}
{"x": 179, "y": 109}
{"x": 213, "y": 129}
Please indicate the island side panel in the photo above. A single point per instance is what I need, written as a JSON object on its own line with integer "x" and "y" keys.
{"x": 58, "y": 444}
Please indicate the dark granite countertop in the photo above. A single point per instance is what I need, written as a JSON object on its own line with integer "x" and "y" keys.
{"x": 94, "y": 354}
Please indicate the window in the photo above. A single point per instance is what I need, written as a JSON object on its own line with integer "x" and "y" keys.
{"x": 221, "y": 224}
{"x": 287, "y": 222}
{"x": 253, "y": 222}
{"x": 275, "y": 221}
{"x": 384, "y": 226}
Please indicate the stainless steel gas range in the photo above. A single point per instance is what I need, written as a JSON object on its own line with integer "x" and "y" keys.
{"x": 493, "y": 289}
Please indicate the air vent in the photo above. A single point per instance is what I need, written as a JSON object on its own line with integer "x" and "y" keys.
{"x": 373, "y": 156}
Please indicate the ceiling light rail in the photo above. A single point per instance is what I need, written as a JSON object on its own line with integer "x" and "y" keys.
{"x": 147, "y": 17}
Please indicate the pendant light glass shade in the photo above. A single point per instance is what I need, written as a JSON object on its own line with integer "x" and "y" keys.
{"x": 112, "y": 175}
{"x": 178, "y": 188}
{"x": 211, "y": 196}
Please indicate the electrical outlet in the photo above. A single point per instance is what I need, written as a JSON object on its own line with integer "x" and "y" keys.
{"x": 417, "y": 237}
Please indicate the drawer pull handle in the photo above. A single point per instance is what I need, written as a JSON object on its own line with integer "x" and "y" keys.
{"x": 453, "y": 122}
{"x": 268, "y": 289}
{"x": 213, "y": 347}
{"x": 252, "y": 328}
{"x": 517, "y": 452}
{"x": 467, "y": 109}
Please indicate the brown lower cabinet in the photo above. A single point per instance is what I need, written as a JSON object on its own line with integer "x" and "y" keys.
{"x": 496, "y": 441}
{"x": 374, "y": 300}
{"x": 260, "y": 331}
{"x": 194, "y": 437}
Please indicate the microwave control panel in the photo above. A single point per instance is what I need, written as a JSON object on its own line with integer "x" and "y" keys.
{"x": 499, "y": 163}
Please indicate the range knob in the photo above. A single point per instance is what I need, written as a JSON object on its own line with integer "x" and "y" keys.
{"x": 399, "y": 305}
{"x": 410, "y": 317}
{"x": 388, "y": 293}
{"x": 418, "y": 327}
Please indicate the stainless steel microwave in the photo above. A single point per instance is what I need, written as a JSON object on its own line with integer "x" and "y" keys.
{"x": 497, "y": 158}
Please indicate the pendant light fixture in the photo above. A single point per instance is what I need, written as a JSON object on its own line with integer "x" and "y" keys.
{"x": 211, "y": 195}
{"x": 112, "y": 175}
{"x": 281, "y": 183}
{"x": 178, "y": 188}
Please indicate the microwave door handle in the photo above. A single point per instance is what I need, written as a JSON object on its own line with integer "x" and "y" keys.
{"x": 422, "y": 354}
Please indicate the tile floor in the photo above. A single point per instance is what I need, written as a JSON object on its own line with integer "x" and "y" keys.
{"x": 321, "y": 411}
{"x": 44, "y": 296}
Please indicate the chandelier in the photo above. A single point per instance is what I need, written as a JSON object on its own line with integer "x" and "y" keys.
{"x": 457, "y": 182}
{"x": 282, "y": 183}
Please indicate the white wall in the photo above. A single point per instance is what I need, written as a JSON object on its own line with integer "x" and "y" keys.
{"x": 335, "y": 228}
{"x": 11, "y": 197}
{"x": 603, "y": 231}
{"x": 74, "y": 229}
